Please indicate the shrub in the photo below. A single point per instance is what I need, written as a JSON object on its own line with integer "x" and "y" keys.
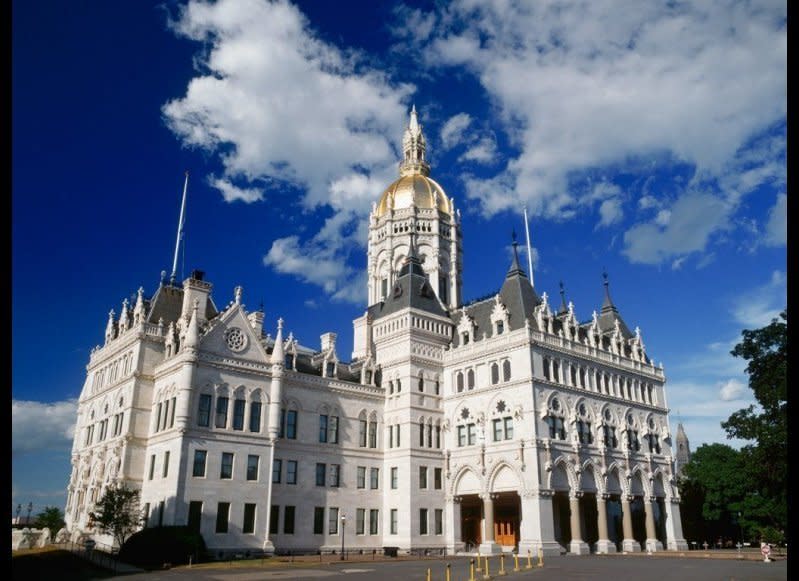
{"x": 150, "y": 548}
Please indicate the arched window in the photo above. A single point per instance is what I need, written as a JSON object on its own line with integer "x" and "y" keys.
{"x": 399, "y": 385}
{"x": 494, "y": 374}
{"x": 556, "y": 371}
{"x": 390, "y": 387}
{"x": 362, "y": 429}
{"x": 500, "y": 327}
{"x": 470, "y": 379}
{"x": 554, "y": 420}
{"x": 373, "y": 430}
{"x": 506, "y": 370}
{"x": 421, "y": 382}
{"x": 459, "y": 381}
{"x": 547, "y": 367}
{"x": 573, "y": 374}
{"x": 609, "y": 430}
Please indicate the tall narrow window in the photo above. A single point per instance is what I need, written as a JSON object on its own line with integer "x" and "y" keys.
{"x": 172, "y": 413}
{"x": 494, "y": 374}
{"x": 335, "y": 475}
{"x": 152, "y": 467}
{"x": 277, "y": 470}
{"x": 422, "y": 521}
{"x": 439, "y": 521}
{"x": 248, "y": 525}
{"x": 332, "y": 430}
{"x": 470, "y": 379}
{"x": 199, "y": 463}
{"x": 394, "y": 521}
{"x": 291, "y": 472}
{"x": 397, "y": 430}
{"x": 291, "y": 424}
{"x": 421, "y": 383}
{"x": 361, "y": 477}
{"x": 166, "y": 464}
{"x": 288, "y": 520}
{"x": 459, "y": 381}
{"x": 471, "y": 433}
{"x": 255, "y": 416}
{"x": 252, "y": 467}
{"x": 157, "y": 418}
{"x": 221, "y": 412}
{"x": 373, "y": 434}
{"x": 195, "y": 515}
{"x": 359, "y": 518}
{"x": 332, "y": 523}
{"x": 222, "y": 512}
{"x": 374, "y": 478}
{"x": 362, "y": 428}
{"x": 226, "y": 469}
{"x": 438, "y": 436}
{"x": 238, "y": 414}
{"x": 394, "y": 477}
{"x": 274, "y": 519}
{"x": 506, "y": 370}
{"x": 319, "y": 520}
{"x": 437, "y": 478}
{"x": 321, "y": 472}
{"x": 373, "y": 516}
{"x": 323, "y": 428}
{"x": 204, "y": 411}
{"x": 421, "y": 433}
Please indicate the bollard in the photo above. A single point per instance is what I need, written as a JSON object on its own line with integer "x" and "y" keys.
{"x": 429, "y": 576}
{"x": 502, "y": 564}
{"x": 540, "y": 556}
{"x": 529, "y": 560}
{"x": 516, "y": 562}
{"x": 471, "y": 569}
{"x": 449, "y": 572}
{"x": 479, "y": 564}
{"x": 486, "y": 575}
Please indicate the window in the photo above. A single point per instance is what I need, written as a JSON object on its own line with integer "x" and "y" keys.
{"x": 274, "y": 519}
{"x": 609, "y": 436}
{"x": 152, "y": 467}
{"x": 166, "y": 464}
{"x": 437, "y": 478}
{"x": 288, "y": 520}
{"x": 332, "y": 430}
{"x": 421, "y": 433}
{"x": 291, "y": 424}
{"x": 470, "y": 379}
{"x": 461, "y": 436}
{"x": 394, "y": 477}
{"x": 397, "y": 430}
{"x": 204, "y": 412}
{"x": 503, "y": 429}
{"x": 465, "y": 338}
{"x": 172, "y": 414}
{"x": 248, "y": 526}
{"x": 439, "y": 521}
{"x": 277, "y": 470}
{"x": 362, "y": 426}
{"x": 373, "y": 434}
{"x": 321, "y": 472}
{"x": 335, "y": 475}
{"x": 393, "y": 521}
{"x": 361, "y": 479}
{"x": 654, "y": 443}
{"x": 373, "y": 516}
{"x": 498, "y": 430}
{"x": 547, "y": 365}
{"x": 359, "y": 518}
{"x": 288, "y": 361}
{"x": 506, "y": 370}
{"x": 422, "y": 521}
{"x": 423, "y": 477}
{"x": 252, "y": 467}
{"x": 291, "y": 472}
{"x": 199, "y": 463}
{"x": 195, "y": 515}
{"x": 399, "y": 385}
{"x": 438, "y": 436}
{"x": 222, "y": 512}
{"x": 421, "y": 383}
{"x": 584, "y": 432}
{"x": 331, "y": 369}
{"x": 323, "y": 428}
{"x": 374, "y": 478}
{"x": 391, "y": 436}
{"x": 633, "y": 443}
{"x": 332, "y": 521}
{"x": 471, "y": 434}
{"x": 494, "y": 374}
{"x": 238, "y": 414}
{"x": 221, "y": 412}
{"x": 437, "y": 387}
{"x": 557, "y": 430}
{"x": 459, "y": 381}
{"x": 508, "y": 428}
{"x": 226, "y": 470}
{"x": 161, "y": 513}
{"x": 500, "y": 327}
{"x": 157, "y": 420}
{"x": 319, "y": 520}
{"x": 255, "y": 416}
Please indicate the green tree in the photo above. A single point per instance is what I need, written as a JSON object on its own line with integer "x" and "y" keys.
{"x": 117, "y": 513}
{"x": 765, "y": 459}
{"x": 52, "y": 518}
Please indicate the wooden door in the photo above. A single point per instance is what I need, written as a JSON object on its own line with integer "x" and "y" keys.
{"x": 505, "y": 533}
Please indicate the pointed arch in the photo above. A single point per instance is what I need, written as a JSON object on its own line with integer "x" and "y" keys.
{"x": 555, "y": 480}
{"x": 505, "y": 477}
{"x": 466, "y": 481}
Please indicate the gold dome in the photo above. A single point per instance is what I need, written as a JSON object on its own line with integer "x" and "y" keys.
{"x": 413, "y": 190}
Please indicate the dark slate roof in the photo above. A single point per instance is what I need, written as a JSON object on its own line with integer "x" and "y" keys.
{"x": 610, "y": 314}
{"x": 411, "y": 290}
{"x": 167, "y": 303}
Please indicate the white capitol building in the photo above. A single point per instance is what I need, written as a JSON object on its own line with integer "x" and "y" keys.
{"x": 501, "y": 424}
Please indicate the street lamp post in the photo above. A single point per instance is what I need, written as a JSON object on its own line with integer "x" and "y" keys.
{"x": 343, "y": 522}
{"x": 741, "y": 528}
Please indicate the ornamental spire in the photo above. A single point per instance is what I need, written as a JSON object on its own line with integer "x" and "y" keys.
{"x": 277, "y": 351}
{"x": 413, "y": 149}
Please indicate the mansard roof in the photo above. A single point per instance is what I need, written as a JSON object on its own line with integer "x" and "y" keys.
{"x": 167, "y": 304}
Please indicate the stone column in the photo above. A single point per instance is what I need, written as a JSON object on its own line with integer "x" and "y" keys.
{"x": 452, "y": 524}
{"x": 577, "y": 546}
{"x": 674, "y": 538}
{"x": 629, "y": 544}
{"x": 652, "y": 542}
{"x": 489, "y": 545}
{"x": 537, "y": 527}
{"x": 603, "y": 544}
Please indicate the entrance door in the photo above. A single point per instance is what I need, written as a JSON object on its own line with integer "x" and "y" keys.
{"x": 505, "y": 533}
{"x": 471, "y": 520}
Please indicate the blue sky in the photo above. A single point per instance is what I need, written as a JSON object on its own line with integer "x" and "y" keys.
{"x": 647, "y": 139}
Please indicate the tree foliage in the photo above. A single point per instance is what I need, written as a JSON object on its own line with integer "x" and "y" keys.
{"x": 764, "y": 462}
{"x": 52, "y": 518}
{"x": 117, "y": 513}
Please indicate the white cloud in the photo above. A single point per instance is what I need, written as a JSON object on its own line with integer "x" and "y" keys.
{"x": 610, "y": 212}
{"x": 484, "y": 151}
{"x": 586, "y": 85}
{"x": 731, "y": 389}
{"x": 453, "y": 128}
{"x": 777, "y": 227}
{"x": 758, "y": 307}
{"x": 274, "y": 103}
{"x": 38, "y": 426}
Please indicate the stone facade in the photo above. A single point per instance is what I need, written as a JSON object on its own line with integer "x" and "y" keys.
{"x": 495, "y": 425}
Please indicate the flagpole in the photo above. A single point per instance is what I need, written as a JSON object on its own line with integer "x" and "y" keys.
{"x": 180, "y": 229}
{"x": 529, "y": 249}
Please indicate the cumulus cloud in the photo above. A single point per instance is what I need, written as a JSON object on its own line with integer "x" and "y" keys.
{"x": 586, "y": 85}
{"x": 38, "y": 426}
{"x": 484, "y": 151}
{"x": 276, "y": 104}
{"x": 731, "y": 389}
{"x": 453, "y": 128}
{"x": 610, "y": 212}
{"x": 777, "y": 226}
{"x": 763, "y": 303}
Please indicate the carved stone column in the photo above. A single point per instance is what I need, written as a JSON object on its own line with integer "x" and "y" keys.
{"x": 603, "y": 544}
{"x": 577, "y": 545}
{"x": 652, "y": 542}
{"x": 489, "y": 545}
{"x": 629, "y": 544}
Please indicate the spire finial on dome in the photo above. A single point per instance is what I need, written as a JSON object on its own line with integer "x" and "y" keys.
{"x": 413, "y": 148}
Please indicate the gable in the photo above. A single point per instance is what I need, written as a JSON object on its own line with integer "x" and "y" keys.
{"x": 233, "y": 336}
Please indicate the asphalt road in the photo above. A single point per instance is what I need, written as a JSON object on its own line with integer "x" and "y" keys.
{"x": 564, "y": 568}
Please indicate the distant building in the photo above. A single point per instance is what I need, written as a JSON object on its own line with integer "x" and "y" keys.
{"x": 497, "y": 424}
{"x": 682, "y": 451}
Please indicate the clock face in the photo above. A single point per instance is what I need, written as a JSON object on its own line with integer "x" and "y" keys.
{"x": 236, "y": 339}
